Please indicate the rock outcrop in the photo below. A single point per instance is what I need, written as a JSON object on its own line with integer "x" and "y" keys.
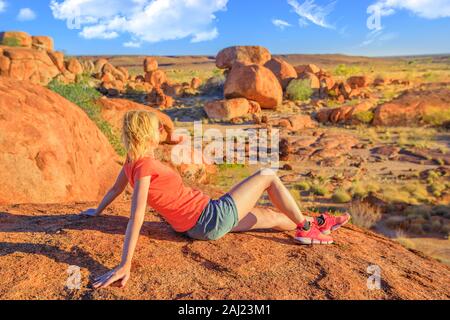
{"x": 245, "y": 55}
{"x": 23, "y": 57}
{"x": 226, "y": 110}
{"x": 254, "y": 82}
{"x": 412, "y": 107}
{"x": 251, "y": 266}
{"x": 282, "y": 70}
{"x": 51, "y": 151}
{"x": 16, "y": 38}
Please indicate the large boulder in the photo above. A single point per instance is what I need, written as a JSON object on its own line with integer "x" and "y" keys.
{"x": 99, "y": 64}
{"x": 312, "y": 79}
{"x": 282, "y": 70}
{"x": 15, "y": 38}
{"x": 27, "y": 64}
{"x": 74, "y": 66}
{"x": 156, "y": 78}
{"x": 412, "y": 107}
{"x": 150, "y": 64}
{"x": 254, "y": 82}
{"x": 42, "y": 43}
{"x": 311, "y": 68}
{"x": 356, "y": 82}
{"x": 226, "y": 110}
{"x": 242, "y": 54}
{"x": 51, "y": 151}
{"x": 157, "y": 98}
{"x": 113, "y": 111}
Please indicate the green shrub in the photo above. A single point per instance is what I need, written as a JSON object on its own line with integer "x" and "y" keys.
{"x": 303, "y": 186}
{"x": 11, "y": 42}
{"x": 299, "y": 90}
{"x": 436, "y": 117}
{"x": 84, "y": 96}
{"x": 346, "y": 71}
{"x": 365, "y": 116}
{"x": 341, "y": 196}
{"x": 319, "y": 189}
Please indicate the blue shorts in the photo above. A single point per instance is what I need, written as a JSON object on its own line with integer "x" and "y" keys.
{"x": 217, "y": 219}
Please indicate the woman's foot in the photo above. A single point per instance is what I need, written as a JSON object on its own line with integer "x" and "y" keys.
{"x": 327, "y": 223}
{"x": 308, "y": 233}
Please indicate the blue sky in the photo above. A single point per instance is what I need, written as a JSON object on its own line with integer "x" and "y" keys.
{"x": 190, "y": 27}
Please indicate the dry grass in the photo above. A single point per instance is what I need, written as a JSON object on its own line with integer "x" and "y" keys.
{"x": 363, "y": 214}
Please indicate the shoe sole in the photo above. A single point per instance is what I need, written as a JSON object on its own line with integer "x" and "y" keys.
{"x": 311, "y": 241}
{"x": 334, "y": 228}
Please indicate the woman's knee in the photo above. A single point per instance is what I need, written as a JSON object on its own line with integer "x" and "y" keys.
{"x": 269, "y": 175}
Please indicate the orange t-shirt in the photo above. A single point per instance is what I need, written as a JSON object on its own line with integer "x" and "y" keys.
{"x": 179, "y": 205}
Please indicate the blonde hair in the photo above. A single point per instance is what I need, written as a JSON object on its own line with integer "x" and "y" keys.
{"x": 139, "y": 132}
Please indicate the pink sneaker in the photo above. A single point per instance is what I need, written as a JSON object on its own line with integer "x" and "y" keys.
{"x": 327, "y": 223}
{"x": 311, "y": 236}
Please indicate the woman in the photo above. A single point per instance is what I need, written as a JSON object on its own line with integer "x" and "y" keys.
{"x": 190, "y": 211}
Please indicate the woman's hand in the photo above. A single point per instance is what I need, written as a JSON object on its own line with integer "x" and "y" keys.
{"x": 90, "y": 213}
{"x": 118, "y": 276}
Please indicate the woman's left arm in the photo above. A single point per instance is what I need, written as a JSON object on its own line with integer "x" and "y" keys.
{"x": 138, "y": 206}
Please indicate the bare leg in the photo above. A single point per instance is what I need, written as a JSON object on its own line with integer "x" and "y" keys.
{"x": 247, "y": 193}
{"x": 265, "y": 218}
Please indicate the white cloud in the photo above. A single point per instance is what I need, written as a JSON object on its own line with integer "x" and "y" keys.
{"x": 145, "y": 20}
{"x": 132, "y": 44}
{"x": 281, "y": 23}
{"x": 430, "y": 9}
{"x": 311, "y": 12}
{"x": 205, "y": 36}
{"x": 26, "y": 14}
{"x": 2, "y": 6}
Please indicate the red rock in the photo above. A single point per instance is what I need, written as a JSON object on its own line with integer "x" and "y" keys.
{"x": 157, "y": 98}
{"x": 5, "y": 63}
{"x": 246, "y": 55}
{"x": 356, "y": 82}
{"x": 125, "y": 72}
{"x": 156, "y": 78}
{"x": 379, "y": 82}
{"x": 225, "y": 110}
{"x": 113, "y": 111}
{"x": 311, "y": 68}
{"x": 51, "y": 151}
{"x": 254, "y": 82}
{"x": 150, "y": 64}
{"x": 99, "y": 64}
{"x": 301, "y": 122}
{"x": 282, "y": 70}
{"x": 411, "y": 107}
{"x": 343, "y": 114}
{"x": 312, "y": 78}
{"x": 196, "y": 83}
{"x": 74, "y": 66}
{"x": 22, "y": 39}
{"x": 42, "y": 42}
{"x": 327, "y": 83}
{"x": 28, "y": 64}
{"x": 58, "y": 59}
